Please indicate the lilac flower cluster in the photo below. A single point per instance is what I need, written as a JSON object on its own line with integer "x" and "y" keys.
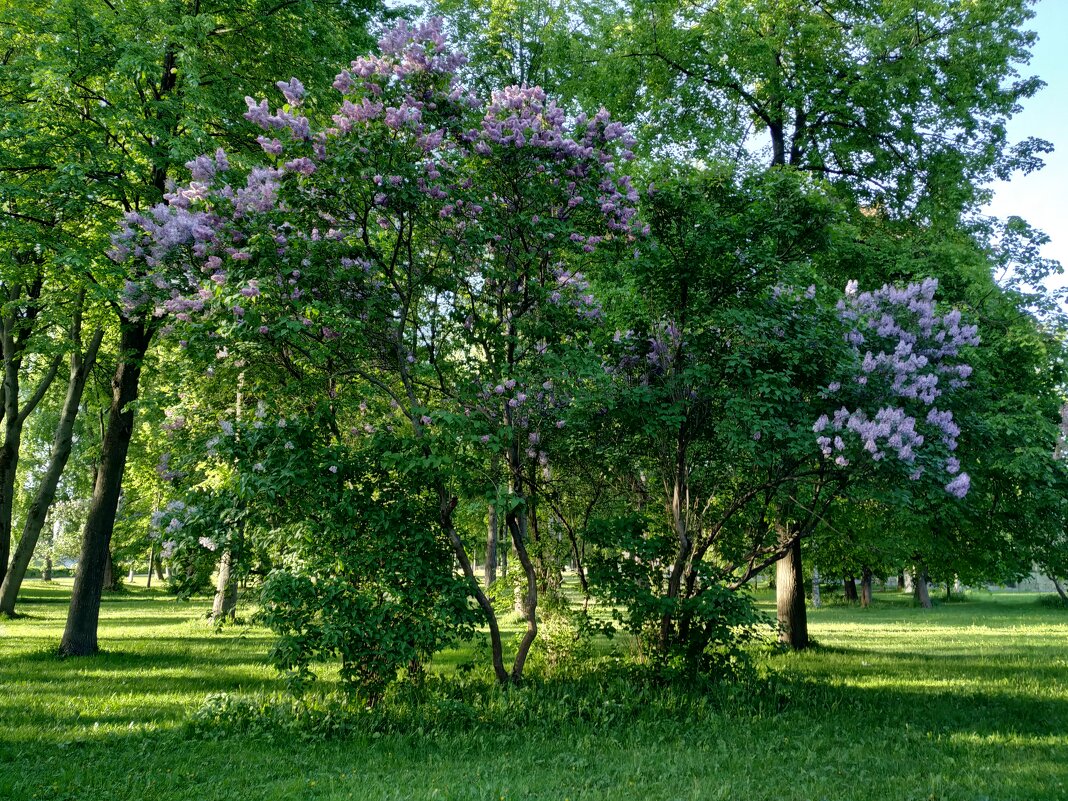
{"x": 907, "y": 356}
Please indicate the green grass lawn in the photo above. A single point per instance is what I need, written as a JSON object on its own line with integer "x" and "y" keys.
{"x": 965, "y": 701}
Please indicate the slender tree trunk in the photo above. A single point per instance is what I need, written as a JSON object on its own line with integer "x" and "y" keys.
{"x": 816, "y": 588}
{"x": 790, "y": 598}
{"x": 109, "y": 574}
{"x": 161, "y": 574}
{"x": 448, "y": 504}
{"x": 151, "y": 564}
{"x": 1060, "y": 589}
{"x": 517, "y": 527}
{"x": 849, "y": 589}
{"x": 491, "y": 545}
{"x": 224, "y": 606}
{"x": 80, "y": 367}
{"x": 80, "y": 634}
{"x": 865, "y": 587}
{"x": 901, "y": 581}
{"x": 922, "y": 594}
{"x": 46, "y": 574}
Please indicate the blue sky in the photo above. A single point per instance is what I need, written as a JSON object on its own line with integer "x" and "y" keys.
{"x": 1041, "y": 198}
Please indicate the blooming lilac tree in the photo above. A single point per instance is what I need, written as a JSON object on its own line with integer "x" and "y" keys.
{"x": 416, "y": 257}
{"x": 755, "y": 405}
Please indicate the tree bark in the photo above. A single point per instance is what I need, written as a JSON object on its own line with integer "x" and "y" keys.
{"x": 80, "y": 634}
{"x": 80, "y": 367}
{"x": 790, "y": 598}
{"x": 1060, "y": 589}
{"x": 46, "y": 574}
{"x": 151, "y": 564}
{"x": 901, "y": 581}
{"x": 515, "y": 520}
{"x": 849, "y": 588}
{"x": 865, "y": 587}
{"x": 14, "y": 335}
{"x": 109, "y": 574}
{"x": 224, "y": 606}
{"x": 921, "y": 592}
{"x": 815, "y": 588}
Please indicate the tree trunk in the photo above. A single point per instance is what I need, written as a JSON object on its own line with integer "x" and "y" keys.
{"x": 224, "y": 606}
{"x": 790, "y": 598}
{"x": 80, "y": 634}
{"x": 80, "y": 367}
{"x": 921, "y": 590}
{"x": 15, "y": 329}
{"x": 901, "y": 581}
{"x": 151, "y": 564}
{"x": 516, "y": 523}
{"x": 816, "y": 588}
{"x": 1060, "y": 589}
{"x": 491, "y": 545}
{"x": 448, "y": 504}
{"x": 109, "y": 574}
{"x": 160, "y": 573}
{"x": 849, "y": 588}
{"x": 46, "y": 574}
{"x": 865, "y": 587}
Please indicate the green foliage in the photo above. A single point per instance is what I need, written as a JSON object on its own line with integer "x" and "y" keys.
{"x": 705, "y": 632}
{"x": 367, "y": 581}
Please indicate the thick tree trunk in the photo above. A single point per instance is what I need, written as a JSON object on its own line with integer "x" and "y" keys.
{"x": 790, "y": 598}
{"x": 491, "y": 545}
{"x": 80, "y": 367}
{"x": 865, "y": 587}
{"x": 849, "y": 589}
{"x": 80, "y": 634}
{"x": 161, "y": 574}
{"x": 922, "y": 594}
{"x": 224, "y": 606}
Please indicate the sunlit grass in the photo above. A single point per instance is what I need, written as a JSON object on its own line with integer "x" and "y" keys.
{"x": 965, "y": 701}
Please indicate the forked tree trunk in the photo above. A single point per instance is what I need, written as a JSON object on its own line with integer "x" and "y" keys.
{"x": 80, "y": 634}
{"x": 790, "y": 598}
{"x": 865, "y": 587}
{"x": 516, "y": 523}
{"x": 849, "y": 588}
{"x": 80, "y": 367}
